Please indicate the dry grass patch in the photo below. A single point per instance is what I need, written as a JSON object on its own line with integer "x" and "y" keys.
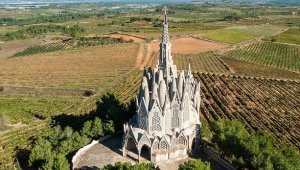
{"x": 89, "y": 68}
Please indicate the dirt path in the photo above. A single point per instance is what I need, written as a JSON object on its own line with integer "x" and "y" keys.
{"x": 148, "y": 56}
{"x": 13, "y": 127}
{"x": 140, "y": 55}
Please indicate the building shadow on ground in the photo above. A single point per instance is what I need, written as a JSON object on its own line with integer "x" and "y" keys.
{"x": 108, "y": 107}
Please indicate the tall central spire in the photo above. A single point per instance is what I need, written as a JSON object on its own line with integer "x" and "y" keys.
{"x": 165, "y": 35}
{"x": 165, "y": 57}
{"x": 165, "y": 19}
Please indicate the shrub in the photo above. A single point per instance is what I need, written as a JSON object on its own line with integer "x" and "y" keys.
{"x": 1, "y": 88}
{"x": 195, "y": 164}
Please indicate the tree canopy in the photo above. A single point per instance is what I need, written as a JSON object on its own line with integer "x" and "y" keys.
{"x": 252, "y": 151}
{"x": 196, "y": 164}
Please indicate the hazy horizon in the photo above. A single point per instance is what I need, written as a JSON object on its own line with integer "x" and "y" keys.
{"x": 144, "y": 1}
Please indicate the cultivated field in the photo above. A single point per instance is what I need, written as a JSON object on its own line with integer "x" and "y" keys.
{"x": 12, "y": 47}
{"x": 71, "y": 44}
{"x": 257, "y": 70}
{"x": 270, "y": 54}
{"x": 235, "y": 35}
{"x": 202, "y": 62}
{"x": 290, "y": 36}
{"x": 90, "y": 68}
{"x": 25, "y": 109}
{"x": 18, "y": 143}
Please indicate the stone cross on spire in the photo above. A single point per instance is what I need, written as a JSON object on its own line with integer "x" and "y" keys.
{"x": 165, "y": 19}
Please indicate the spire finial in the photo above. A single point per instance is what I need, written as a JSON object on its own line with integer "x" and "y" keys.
{"x": 165, "y": 20}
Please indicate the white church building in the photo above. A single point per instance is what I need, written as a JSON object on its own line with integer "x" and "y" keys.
{"x": 167, "y": 121}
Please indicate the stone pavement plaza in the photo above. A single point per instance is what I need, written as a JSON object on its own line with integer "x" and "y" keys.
{"x": 109, "y": 152}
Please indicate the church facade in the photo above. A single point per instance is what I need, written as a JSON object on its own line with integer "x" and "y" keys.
{"x": 167, "y": 120}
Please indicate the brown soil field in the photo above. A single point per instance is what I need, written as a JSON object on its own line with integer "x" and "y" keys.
{"x": 89, "y": 68}
{"x": 189, "y": 45}
{"x": 126, "y": 37}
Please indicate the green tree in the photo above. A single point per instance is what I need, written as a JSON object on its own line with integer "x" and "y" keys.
{"x": 61, "y": 163}
{"x": 48, "y": 164}
{"x": 97, "y": 129}
{"x": 255, "y": 151}
{"x": 56, "y": 134}
{"x": 79, "y": 141}
{"x": 205, "y": 131}
{"x": 41, "y": 150}
{"x": 196, "y": 164}
{"x": 65, "y": 147}
{"x": 228, "y": 135}
{"x": 109, "y": 127}
{"x": 112, "y": 108}
{"x": 87, "y": 129}
{"x": 68, "y": 132}
{"x": 56, "y": 162}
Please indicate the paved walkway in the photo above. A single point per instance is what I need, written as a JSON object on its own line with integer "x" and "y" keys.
{"x": 109, "y": 152}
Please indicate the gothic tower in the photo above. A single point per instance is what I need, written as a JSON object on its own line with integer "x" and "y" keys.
{"x": 167, "y": 119}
